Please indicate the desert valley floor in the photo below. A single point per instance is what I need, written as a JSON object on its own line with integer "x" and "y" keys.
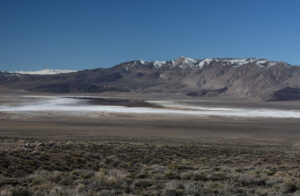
{"x": 90, "y": 115}
{"x": 102, "y": 145}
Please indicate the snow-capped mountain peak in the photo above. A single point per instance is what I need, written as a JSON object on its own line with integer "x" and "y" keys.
{"x": 235, "y": 62}
{"x": 185, "y": 60}
{"x": 193, "y": 64}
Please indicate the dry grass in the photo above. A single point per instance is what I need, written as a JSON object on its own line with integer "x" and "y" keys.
{"x": 118, "y": 167}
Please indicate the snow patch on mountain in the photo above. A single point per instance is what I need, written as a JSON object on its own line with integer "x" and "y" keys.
{"x": 204, "y": 62}
{"x": 186, "y": 62}
{"x": 158, "y": 64}
{"x": 239, "y": 62}
{"x": 45, "y": 72}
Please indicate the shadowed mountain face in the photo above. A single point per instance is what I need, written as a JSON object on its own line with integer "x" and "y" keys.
{"x": 286, "y": 94}
{"x": 241, "y": 78}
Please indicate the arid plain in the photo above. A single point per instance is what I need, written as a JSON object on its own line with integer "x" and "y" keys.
{"x": 79, "y": 144}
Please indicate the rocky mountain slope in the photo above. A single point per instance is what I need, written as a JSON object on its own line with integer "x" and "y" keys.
{"x": 241, "y": 78}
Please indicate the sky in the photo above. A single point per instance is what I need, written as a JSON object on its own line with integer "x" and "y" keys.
{"x": 86, "y": 34}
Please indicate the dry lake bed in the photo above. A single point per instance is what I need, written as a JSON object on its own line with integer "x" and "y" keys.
{"x": 92, "y": 145}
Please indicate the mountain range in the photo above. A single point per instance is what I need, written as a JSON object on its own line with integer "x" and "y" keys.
{"x": 248, "y": 78}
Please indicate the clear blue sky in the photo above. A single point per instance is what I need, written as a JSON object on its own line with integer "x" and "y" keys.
{"x": 73, "y": 34}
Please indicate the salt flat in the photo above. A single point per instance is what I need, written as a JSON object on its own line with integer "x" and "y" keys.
{"x": 89, "y": 116}
{"x": 74, "y": 105}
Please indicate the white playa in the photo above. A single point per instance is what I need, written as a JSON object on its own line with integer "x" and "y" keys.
{"x": 73, "y": 105}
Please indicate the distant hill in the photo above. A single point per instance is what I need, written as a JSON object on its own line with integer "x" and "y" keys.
{"x": 249, "y": 78}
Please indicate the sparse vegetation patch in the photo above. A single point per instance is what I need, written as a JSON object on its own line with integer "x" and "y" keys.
{"x": 119, "y": 167}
